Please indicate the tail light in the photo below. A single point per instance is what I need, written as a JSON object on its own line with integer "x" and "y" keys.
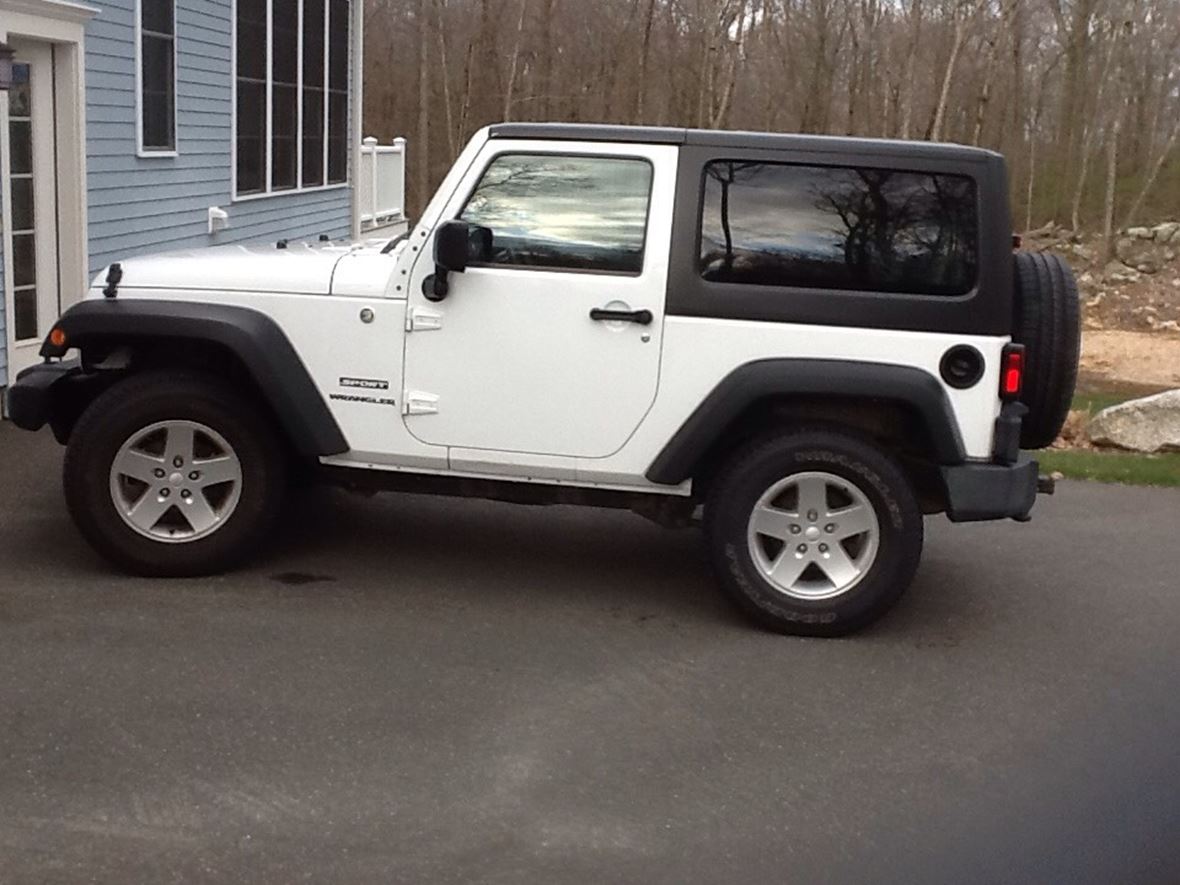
{"x": 1011, "y": 372}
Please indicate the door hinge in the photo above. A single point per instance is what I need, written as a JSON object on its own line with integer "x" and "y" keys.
{"x": 418, "y": 402}
{"x": 422, "y": 319}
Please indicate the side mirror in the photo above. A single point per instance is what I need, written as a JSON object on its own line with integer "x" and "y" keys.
{"x": 455, "y": 244}
{"x": 451, "y": 246}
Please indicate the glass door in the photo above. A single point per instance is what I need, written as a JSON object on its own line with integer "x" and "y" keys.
{"x": 31, "y": 261}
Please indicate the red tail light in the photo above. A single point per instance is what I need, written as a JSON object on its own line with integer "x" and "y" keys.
{"x": 1011, "y": 371}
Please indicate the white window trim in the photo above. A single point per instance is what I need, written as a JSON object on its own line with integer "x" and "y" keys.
{"x": 140, "y": 150}
{"x": 299, "y": 188}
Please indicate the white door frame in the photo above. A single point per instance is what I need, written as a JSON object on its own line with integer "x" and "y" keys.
{"x": 42, "y": 174}
{"x": 62, "y": 24}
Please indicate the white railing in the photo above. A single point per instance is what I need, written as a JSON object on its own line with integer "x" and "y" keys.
{"x": 381, "y": 188}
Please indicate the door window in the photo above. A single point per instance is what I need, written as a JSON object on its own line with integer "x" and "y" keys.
{"x": 564, "y": 212}
{"x": 839, "y": 227}
{"x": 24, "y": 252}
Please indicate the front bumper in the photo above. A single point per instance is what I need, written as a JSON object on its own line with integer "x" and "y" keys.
{"x": 991, "y": 491}
{"x": 30, "y": 400}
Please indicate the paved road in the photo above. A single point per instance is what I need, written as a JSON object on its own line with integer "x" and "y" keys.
{"x": 419, "y": 690}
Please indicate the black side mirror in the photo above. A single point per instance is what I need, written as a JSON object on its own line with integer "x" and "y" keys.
{"x": 455, "y": 244}
{"x": 451, "y": 245}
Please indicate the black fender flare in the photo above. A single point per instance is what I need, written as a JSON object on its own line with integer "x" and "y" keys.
{"x": 253, "y": 337}
{"x": 745, "y": 385}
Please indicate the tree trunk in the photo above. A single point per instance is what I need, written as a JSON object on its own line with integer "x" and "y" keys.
{"x": 644, "y": 53}
{"x": 993, "y": 55}
{"x": 1148, "y": 182}
{"x": 907, "y": 80}
{"x": 510, "y": 88}
{"x": 1032, "y": 177}
{"x": 934, "y": 132}
{"x": 545, "y": 62}
{"x": 422, "y": 139}
{"x": 440, "y": 8}
{"x": 1112, "y": 166}
{"x": 1090, "y": 133}
{"x": 1016, "y": 32}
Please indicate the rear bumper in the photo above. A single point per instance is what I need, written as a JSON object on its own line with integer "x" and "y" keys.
{"x": 29, "y": 400}
{"x": 990, "y": 491}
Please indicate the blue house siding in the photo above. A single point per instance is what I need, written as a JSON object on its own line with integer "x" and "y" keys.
{"x": 151, "y": 204}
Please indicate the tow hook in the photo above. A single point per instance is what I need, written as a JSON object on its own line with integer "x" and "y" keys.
{"x": 1046, "y": 485}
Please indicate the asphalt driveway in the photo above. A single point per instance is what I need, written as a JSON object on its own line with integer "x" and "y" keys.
{"x": 421, "y": 690}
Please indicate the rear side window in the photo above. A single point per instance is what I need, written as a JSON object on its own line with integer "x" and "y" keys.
{"x": 564, "y": 212}
{"x": 839, "y": 227}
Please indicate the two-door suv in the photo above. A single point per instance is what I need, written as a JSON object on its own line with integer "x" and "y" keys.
{"x": 812, "y": 341}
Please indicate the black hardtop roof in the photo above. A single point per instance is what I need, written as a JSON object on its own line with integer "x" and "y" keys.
{"x": 727, "y": 139}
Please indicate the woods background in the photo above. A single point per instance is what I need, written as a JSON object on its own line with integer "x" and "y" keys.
{"x": 1083, "y": 96}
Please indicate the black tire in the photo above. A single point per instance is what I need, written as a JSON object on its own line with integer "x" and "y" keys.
{"x": 1048, "y": 324}
{"x": 139, "y": 402}
{"x": 754, "y": 469}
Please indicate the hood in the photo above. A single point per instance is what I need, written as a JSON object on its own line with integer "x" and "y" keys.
{"x": 300, "y": 268}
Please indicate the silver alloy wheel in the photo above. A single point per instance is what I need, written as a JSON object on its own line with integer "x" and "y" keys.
{"x": 176, "y": 481}
{"x": 813, "y": 535}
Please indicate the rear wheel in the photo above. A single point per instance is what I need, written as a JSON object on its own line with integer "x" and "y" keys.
{"x": 815, "y": 532}
{"x": 173, "y": 474}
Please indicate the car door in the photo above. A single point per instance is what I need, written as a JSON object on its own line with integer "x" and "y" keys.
{"x": 552, "y": 344}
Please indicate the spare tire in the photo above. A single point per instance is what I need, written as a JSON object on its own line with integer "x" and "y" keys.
{"x": 1048, "y": 324}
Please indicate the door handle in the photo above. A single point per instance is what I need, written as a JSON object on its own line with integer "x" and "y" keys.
{"x": 643, "y": 317}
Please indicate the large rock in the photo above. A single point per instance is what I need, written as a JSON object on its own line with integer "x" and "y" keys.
{"x": 1117, "y": 272}
{"x": 1150, "y": 424}
{"x": 1137, "y": 253}
{"x": 1167, "y": 232}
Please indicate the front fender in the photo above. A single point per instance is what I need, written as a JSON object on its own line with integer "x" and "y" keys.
{"x": 254, "y": 338}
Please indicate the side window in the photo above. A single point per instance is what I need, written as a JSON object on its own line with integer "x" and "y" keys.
{"x": 564, "y": 212}
{"x": 837, "y": 227}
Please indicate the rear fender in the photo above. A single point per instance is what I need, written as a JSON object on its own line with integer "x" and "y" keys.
{"x": 910, "y": 387}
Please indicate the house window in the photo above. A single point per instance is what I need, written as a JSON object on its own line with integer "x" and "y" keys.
{"x": 157, "y": 76}
{"x": 291, "y": 63}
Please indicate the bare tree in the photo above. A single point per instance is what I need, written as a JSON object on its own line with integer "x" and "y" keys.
{"x": 422, "y": 178}
{"x": 965, "y": 10}
{"x": 515, "y": 61}
{"x": 1037, "y": 79}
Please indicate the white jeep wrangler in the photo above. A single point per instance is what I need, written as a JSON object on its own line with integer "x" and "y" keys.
{"x": 817, "y": 340}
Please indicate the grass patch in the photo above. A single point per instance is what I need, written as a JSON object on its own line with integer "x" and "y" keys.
{"x": 1095, "y": 401}
{"x": 1126, "y": 468}
{"x": 1095, "y": 394}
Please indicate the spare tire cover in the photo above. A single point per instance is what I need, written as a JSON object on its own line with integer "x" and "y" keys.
{"x": 1048, "y": 324}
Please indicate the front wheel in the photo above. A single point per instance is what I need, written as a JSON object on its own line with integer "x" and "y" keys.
{"x": 173, "y": 474}
{"x": 813, "y": 532}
